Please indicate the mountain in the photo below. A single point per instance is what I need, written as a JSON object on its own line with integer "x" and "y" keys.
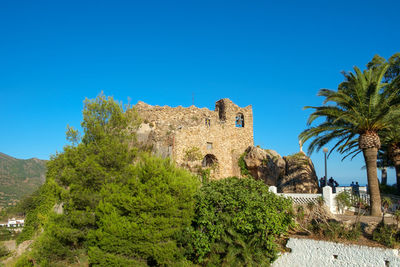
{"x": 19, "y": 177}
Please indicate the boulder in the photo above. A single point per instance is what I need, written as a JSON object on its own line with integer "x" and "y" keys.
{"x": 266, "y": 165}
{"x": 300, "y": 176}
{"x": 290, "y": 174}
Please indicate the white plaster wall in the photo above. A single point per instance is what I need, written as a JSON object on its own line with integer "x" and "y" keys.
{"x": 308, "y": 252}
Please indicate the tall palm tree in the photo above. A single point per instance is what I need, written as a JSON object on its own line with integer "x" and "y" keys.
{"x": 383, "y": 163}
{"x": 391, "y": 139}
{"x": 362, "y": 106}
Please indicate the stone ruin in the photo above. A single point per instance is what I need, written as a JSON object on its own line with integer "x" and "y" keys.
{"x": 198, "y": 137}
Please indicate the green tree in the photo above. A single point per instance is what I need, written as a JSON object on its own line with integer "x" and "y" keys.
{"x": 139, "y": 219}
{"x": 107, "y": 201}
{"x": 76, "y": 176}
{"x": 362, "y": 107}
{"x": 391, "y": 136}
{"x": 391, "y": 149}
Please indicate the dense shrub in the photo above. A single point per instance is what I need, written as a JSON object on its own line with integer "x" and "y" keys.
{"x": 237, "y": 221}
{"x": 387, "y": 235}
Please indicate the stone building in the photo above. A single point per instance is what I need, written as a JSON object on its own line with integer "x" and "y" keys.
{"x": 216, "y": 138}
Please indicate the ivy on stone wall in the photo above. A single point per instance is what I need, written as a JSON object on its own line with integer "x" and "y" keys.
{"x": 242, "y": 165}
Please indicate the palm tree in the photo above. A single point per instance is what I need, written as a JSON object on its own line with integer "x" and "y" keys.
{"x": 383, "y": 163}
{"x": 362, "y": 107}
{"x": 391, "y": 139}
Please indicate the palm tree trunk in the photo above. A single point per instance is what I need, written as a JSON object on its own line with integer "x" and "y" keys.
{"x": 370, "y": 156}
{"x": 397, "y": 167}
{"x": 384, "y": 176}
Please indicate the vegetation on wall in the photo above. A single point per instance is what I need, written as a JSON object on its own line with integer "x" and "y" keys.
{"x": 193, "y": 154}
{"x": 242, "y": 165}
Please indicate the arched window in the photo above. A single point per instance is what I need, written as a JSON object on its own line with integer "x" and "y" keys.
{"x": 209, "y": 161}
{"x": 239, "y": 121}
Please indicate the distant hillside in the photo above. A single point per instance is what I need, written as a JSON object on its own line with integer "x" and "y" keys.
{"x": 19, "y": 178}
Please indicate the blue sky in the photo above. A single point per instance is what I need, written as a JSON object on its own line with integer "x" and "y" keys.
{"x": 274, "y": 55}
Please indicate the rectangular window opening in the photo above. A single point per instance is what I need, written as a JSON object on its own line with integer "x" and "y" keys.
{"x": 209, "y": 146}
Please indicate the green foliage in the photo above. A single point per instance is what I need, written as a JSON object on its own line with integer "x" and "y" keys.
{"x": 334, "y": 230}
{"x": 387, "y": 235}
{"x": 193, "y": 154}
{"x": 38, "y": 212}
{"x": 138, "y": 219}
{"x": 205, "y": 175}
{"x": 24, "y": 261}
{"x": 237, "y": 220}
{"x": 4, "y": 252}
{"x": 7, "y": 234}
{"x": 121, "y": 207}
{"x": 343, "y": 200}
{"x": 242, "y": 165}
{"x": 75, "y": 179}
{"x": 362, "y": 104}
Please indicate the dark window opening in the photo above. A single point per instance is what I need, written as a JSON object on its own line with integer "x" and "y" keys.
{"x": 239, "y": 121}
{"x": 208, "y": 122}
{"x": 209, "y": 161}
{"x": 220, "y": 106}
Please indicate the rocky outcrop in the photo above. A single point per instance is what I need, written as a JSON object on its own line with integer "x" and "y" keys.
{"x": 263, "y": 164}
{"x": 291, "y": 174}
{"x": 300, "y": 176}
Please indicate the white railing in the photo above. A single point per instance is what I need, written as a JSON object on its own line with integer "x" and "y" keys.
{"x": 302, "y": 199}
{"x": 327, "y": 195}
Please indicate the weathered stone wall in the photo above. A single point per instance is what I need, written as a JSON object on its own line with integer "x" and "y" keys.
{"x": 172, "y": 131}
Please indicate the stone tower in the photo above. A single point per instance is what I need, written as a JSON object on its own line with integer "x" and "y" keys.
{"x": 219, "y": 136}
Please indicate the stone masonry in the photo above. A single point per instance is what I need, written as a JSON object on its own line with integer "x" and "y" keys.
{"x": 218, "y": 136}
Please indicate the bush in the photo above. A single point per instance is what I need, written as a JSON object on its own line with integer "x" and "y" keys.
{"x": 24, "y": 261}
{"x": 4, "y": 251}
{"x": 237, "y": 221}
{"x": 387, "y": 235}
{"x": 334, "y": 230}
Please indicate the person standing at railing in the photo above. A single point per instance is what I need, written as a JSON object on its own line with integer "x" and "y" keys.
{"x": 357, "y": 189}
{"x": 322, "y": 182}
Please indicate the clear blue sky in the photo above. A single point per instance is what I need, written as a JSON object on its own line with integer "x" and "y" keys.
{"x": 274, "y": 55}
